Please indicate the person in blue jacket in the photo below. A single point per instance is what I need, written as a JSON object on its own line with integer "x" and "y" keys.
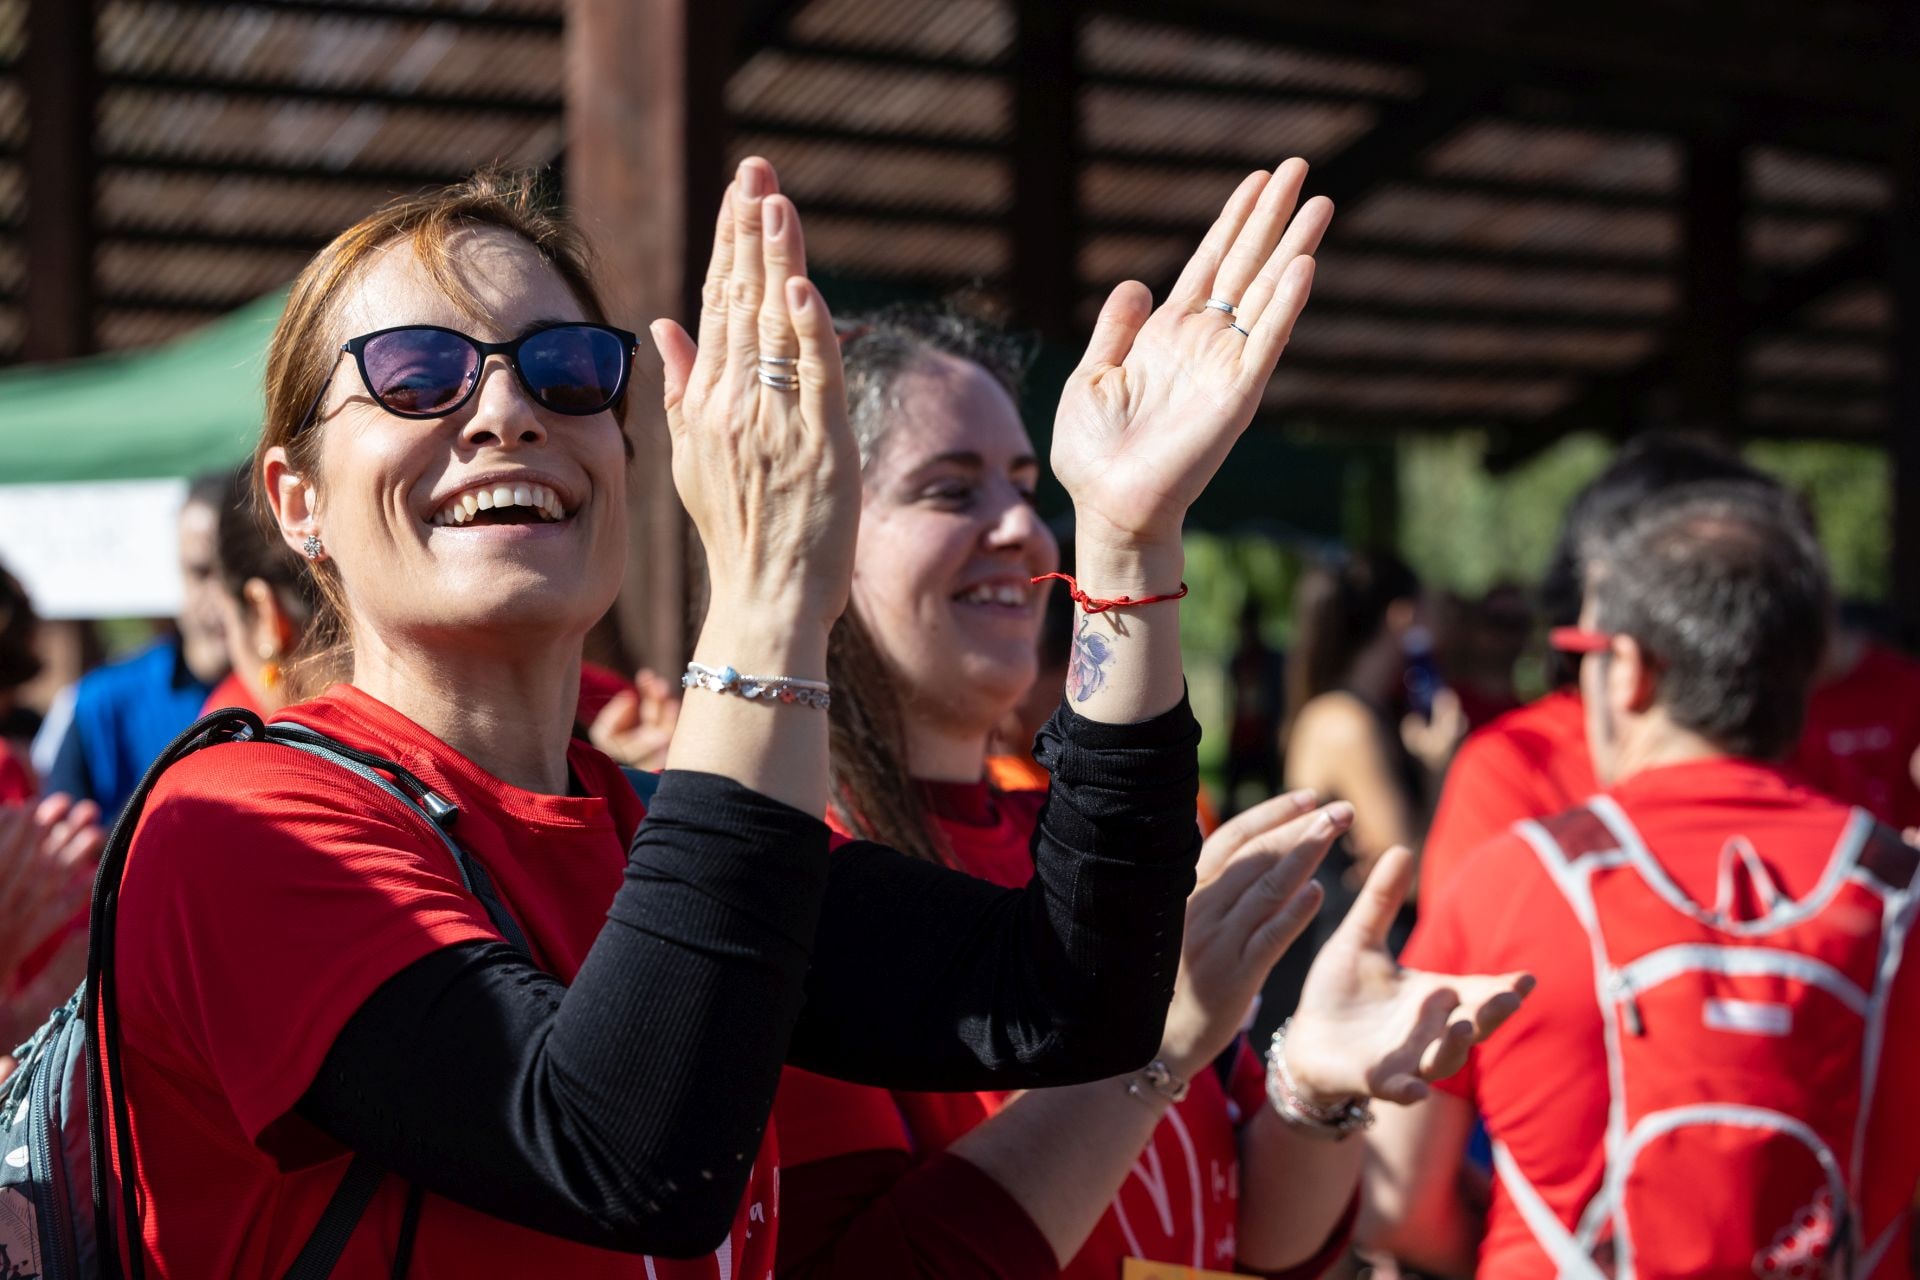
{"x": 124, "y": 713}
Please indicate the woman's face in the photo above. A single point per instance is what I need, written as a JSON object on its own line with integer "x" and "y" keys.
{"x": 949, "y": 541}
{"x": 515, "y": 574}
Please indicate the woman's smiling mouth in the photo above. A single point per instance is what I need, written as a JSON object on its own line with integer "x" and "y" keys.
{"x": 501, "y": 503}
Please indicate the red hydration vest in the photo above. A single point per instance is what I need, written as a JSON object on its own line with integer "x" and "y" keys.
{"x": 1743, "y": 1044}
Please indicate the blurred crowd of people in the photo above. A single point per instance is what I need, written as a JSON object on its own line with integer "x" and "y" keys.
{"x": 944, "y": 1021}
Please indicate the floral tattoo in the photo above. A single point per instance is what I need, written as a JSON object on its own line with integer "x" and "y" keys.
{"x": 1087, "y": 673}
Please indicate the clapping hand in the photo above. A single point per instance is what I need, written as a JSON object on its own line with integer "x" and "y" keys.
{"x": 768, "y": 472}
{"x": 47, "y": 856}
{"x": 636, "y": 725}
{"x": 1366, "y": 1027}
{"x": 1161, "y": 395}
{"x": 1255, "y": 896}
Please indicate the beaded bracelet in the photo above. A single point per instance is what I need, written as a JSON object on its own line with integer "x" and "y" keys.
{"x": 1333, "y": 1123}
{"x": 788, "y": 689}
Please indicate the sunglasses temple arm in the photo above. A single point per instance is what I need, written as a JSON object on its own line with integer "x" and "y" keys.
{"x": 313, "y": 410}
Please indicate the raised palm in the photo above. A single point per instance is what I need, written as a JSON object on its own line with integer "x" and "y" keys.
{"x": 1366, "y": 1026}
{"x": 1161, "y": 395}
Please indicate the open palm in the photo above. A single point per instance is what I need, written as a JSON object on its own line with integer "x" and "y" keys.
{"x": 1366, "y": 1027}
{"x": 1161, "y": 395}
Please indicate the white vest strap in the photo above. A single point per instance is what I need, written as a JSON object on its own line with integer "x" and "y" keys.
{"x": 1570, "y": 1261}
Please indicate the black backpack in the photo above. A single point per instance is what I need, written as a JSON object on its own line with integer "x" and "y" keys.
{"x": 55, "y": 1222}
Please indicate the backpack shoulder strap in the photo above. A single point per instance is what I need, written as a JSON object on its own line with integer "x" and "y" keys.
{"x": 1579, "y": 832}
{"x": 104, "y": 1089}
{"x": 100, "y": 1004}
{"x": 343, "y": 1213}
{"x": 1888, "y": 858}
{"x": 1566, "y": 844}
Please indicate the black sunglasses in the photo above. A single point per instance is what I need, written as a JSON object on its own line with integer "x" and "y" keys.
{"x": 425, "y": 371}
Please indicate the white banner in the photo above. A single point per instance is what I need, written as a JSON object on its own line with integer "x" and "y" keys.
{"x": 104, "y": 549}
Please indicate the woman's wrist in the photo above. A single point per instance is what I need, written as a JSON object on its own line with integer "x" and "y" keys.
{"x": 772, "y": 642}
{"x": 1315, "y": 1090}
{"x": 1109, "y": 564}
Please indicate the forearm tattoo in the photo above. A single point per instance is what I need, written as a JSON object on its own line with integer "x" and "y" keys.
{"x": 1092, "y": 654}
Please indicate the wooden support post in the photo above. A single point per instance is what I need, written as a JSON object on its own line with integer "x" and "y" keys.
{"x": 1711, "y": 336}
{"x": 1903, "y": 412}
{"x": 61, "y": 96}
{"x": 646, "y": 166}
{"x": 1046, "y": 173}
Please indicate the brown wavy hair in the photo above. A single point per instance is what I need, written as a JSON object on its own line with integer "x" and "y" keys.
{"x": 304, "y": 349}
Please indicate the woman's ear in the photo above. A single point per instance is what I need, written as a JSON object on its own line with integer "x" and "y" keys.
{"x": 1634, "y": 676}
{"x": 295, "y": 505}
{"x": 268, "y": 634}
{"x": 1402, "y": 614}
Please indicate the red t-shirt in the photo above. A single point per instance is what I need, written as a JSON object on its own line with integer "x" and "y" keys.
{"x": 1180, "y": 1203}
{"x": 1528, "y": 763}
{"x": 16, "y": 780}
{"x": 232, "y": 692}
{"x": 1541, "y": 1084}
{"x": 1862, "y": 731}
{"x": 268, "y": 894}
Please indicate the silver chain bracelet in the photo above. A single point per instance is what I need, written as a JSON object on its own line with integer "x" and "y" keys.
{"x": 787, "y": 689}
{"x": 1332, "y": 1123}
{"x": 1157, "y": 1078}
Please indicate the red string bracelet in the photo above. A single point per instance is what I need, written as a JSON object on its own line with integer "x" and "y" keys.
{"x": 1091, "y": 605}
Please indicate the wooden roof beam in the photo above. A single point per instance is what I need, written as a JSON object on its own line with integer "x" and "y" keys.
{"x": 62, "y": 93}
{"x": 1734, "y": 52}
{"x": 502, "y": 103}
{"x": 476, "y": 19}
{"x": 1046, "y": 166}
{"x": 1902, "y": 397}
{"x": 1613, "y": 401}
{"x": 389, "y": 175}
{"x": 1399, "y": 135}
{"x": 1395, "y": 312}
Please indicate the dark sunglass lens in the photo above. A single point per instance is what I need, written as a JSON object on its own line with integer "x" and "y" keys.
{"x": 419, "y": 370}
{"x": 574, "y": 368}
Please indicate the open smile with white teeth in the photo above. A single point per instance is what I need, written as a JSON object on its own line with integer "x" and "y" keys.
{"x": 1007, "y": 595}
{"x": 493, "y": 504}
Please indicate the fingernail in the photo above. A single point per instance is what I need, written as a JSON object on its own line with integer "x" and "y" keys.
{"x": 1339, "y": 811}
{"x": 752, "y": 180}
{"x": 1304, "y": 796}
{"x": 799, "y": 297}
{"x": 776, "y": 220}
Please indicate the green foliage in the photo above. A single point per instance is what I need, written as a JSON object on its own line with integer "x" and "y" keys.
{"x": 1465, "y": 530}
{"x": 1850, "y": 488}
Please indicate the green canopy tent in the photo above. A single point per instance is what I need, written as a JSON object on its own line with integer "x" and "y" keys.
{"x": 166, "y": 412}
{"x": 95, "y": 455}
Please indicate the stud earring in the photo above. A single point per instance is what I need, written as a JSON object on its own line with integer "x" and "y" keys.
{"x": 312, "y": 546}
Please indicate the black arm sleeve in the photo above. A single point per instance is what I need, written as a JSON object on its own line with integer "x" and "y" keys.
{"x": 626, "y": 1110}
{"x": 922, "y": 976}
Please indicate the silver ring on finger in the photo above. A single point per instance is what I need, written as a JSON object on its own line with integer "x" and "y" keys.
{"x": 776, "y": 362}
{"x": 1235, "y": 326}
{"x": 778, "y": 381}
{"x": 1221, "y": 304}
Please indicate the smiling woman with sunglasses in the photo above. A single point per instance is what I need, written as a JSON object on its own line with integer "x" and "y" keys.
{"x": 304, "y": 975}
